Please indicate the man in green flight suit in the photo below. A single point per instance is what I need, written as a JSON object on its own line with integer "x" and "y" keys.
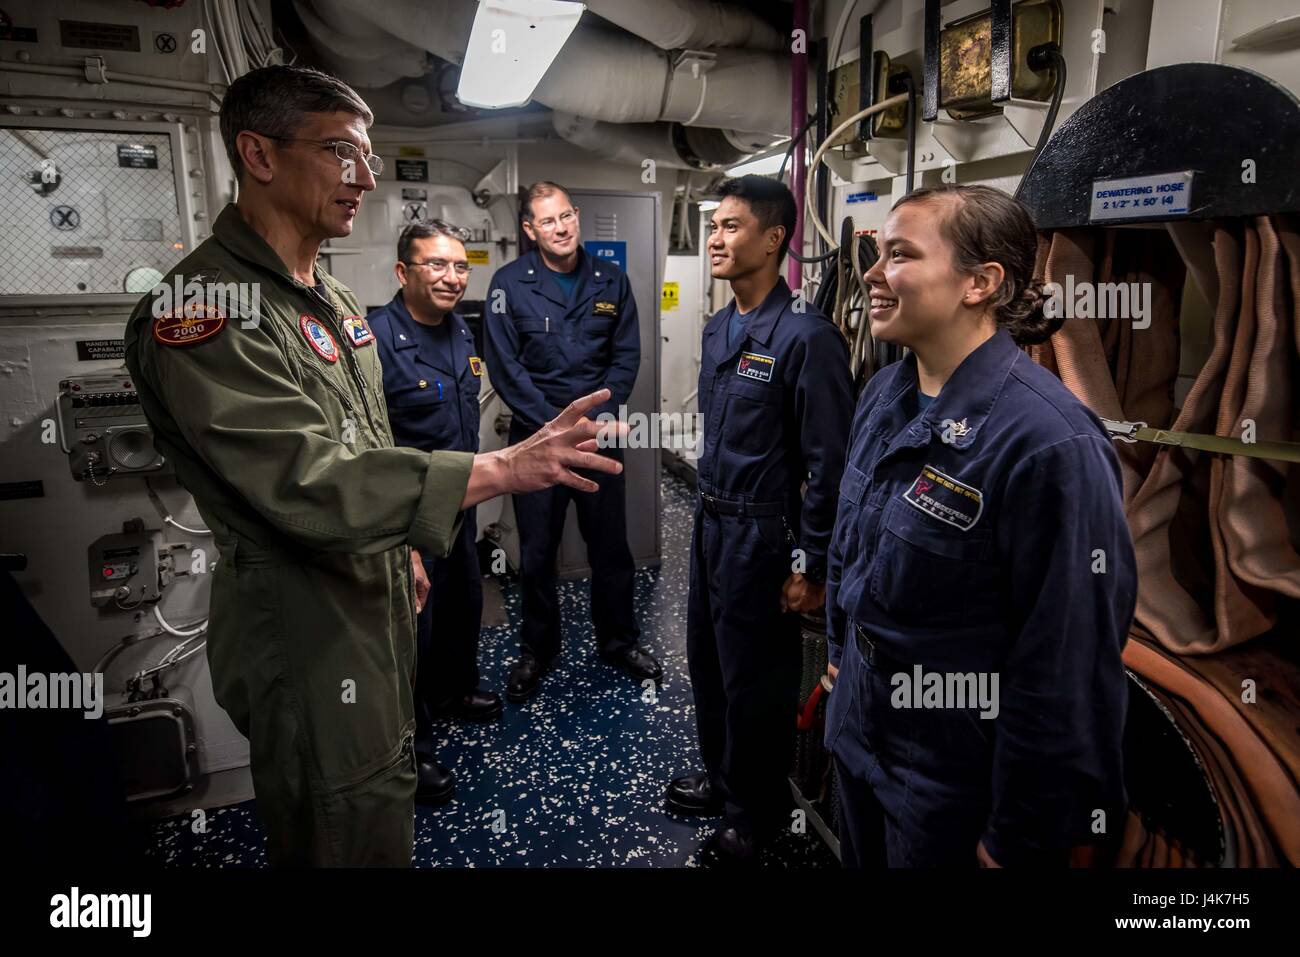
{"x": 272, "y": 412}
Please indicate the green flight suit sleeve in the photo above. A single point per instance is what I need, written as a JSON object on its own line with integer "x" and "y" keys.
{"x": 237, "y": 401}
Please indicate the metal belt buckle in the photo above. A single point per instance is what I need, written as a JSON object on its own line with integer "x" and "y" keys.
{"x": 1124, "y": 431}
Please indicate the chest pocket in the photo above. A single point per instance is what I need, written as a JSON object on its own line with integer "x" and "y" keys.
{"x": 848, "y": 517}
{"x": 539, "y": 341}
{"x": 929, "y": 573}
{"x": 413, "y": 397}
{"x": 751, "y": 420}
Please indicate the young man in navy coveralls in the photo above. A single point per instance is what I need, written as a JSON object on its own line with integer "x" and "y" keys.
{"x": 777, "y": 398}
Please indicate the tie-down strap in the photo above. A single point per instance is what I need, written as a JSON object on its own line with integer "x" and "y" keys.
{"x": 1226, "y": 445}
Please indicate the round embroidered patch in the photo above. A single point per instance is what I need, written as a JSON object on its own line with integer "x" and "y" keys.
{"x": 319, "y": 338}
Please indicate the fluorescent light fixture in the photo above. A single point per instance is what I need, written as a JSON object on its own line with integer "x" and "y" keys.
{"x": 708, "y": 205}
{"x": 763, "y": 166}
{"x": 511, "y": 46}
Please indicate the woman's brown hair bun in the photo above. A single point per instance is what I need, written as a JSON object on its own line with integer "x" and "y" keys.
{"x": 1025, "y": 318}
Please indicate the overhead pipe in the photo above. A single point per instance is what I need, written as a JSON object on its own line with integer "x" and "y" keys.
{"x": 670, "y": 145}
{"x": 358, "y": 52}
{"x": 690, "y": 24}
{"x": 798, "y": 117}
{"x": 640, "y": 83}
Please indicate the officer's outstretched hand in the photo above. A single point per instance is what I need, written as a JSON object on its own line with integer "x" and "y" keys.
{"x": 801, "y": 594}
{"x": 549, "y": 456}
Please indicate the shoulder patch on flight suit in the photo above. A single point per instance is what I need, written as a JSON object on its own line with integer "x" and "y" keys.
{"x": 754, "y": 366}
{"x": 943, "y": 497}
{"x": 476, "y": 365}
{"x": 603, "y": 307}
{"x": 357, "y": 331}
{"x": 192, "y": 323}
{"x": 319, "y": 338}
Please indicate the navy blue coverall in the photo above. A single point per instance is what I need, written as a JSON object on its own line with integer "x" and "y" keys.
{"x": 776, "y": 406}
{"x": 432, "y": 387}
{"x": 547, "y": 349}
{"x": 984, "y": 536}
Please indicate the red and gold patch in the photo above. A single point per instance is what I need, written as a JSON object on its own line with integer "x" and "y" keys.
{"x": 192, "y": 324}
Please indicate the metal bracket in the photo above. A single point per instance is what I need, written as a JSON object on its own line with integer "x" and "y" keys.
{"x": 1124, "y": 431}
{"x": 95, "y": 69}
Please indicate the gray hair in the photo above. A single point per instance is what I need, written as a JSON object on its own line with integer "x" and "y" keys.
{"x": 272, "y": 101}
{"x": 423, "y": 230}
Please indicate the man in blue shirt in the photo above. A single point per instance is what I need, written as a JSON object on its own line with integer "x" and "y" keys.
{"x": 431, "y": 383}
{"x": 555, "y": 322}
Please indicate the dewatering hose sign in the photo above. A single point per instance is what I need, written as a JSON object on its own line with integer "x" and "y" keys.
{"x": 1136, "y": 197}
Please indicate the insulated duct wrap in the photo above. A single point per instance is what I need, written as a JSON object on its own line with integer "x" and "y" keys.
{"x": 602, "y": 73}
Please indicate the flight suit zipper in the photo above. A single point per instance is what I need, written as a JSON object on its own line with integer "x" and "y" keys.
{"x": 405, "y": 754}
{"x": 343, "y": 397}
{"x": 351, "y": 360}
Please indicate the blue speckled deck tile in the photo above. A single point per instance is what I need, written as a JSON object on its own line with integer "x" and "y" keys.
{"x": 575, "y": 776}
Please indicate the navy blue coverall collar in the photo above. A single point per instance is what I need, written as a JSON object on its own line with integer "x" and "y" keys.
{"x": 962, "y": 405}
{"x": 758, "y": 327}
{"x": 405, "y": 334}
{"x": 538, "y": 275}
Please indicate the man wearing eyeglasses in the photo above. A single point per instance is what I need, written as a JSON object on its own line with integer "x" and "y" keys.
{"x": 431, "y": 380}
{"x": 557, "y": 325}
{"x": 276, "y": 424}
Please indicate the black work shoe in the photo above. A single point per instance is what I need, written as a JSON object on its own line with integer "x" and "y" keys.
{"x": 524, "y": 678}
{"x": 730, "y": 846}
{"x": 437, "y": 784}
{"x": 636, "y": 662}
{"x": 478, "y": 705}
{"x": 692, "y": 794}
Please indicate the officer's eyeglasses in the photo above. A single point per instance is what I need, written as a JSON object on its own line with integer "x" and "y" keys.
{"x": 345, "y": 151}
{"x": 548, "y": 224}
{"x": 438, "y": 267}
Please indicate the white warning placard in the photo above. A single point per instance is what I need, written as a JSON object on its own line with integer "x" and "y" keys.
{"x": 1165, "y": 194}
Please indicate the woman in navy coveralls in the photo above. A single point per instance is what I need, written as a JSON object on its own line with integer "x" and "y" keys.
{"x": 981, "y": 578}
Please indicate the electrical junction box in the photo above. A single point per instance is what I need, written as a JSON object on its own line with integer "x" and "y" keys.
{"x": 125, "y": 569}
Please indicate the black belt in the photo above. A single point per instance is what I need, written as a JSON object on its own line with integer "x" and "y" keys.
{"x": 722, "y": 506}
